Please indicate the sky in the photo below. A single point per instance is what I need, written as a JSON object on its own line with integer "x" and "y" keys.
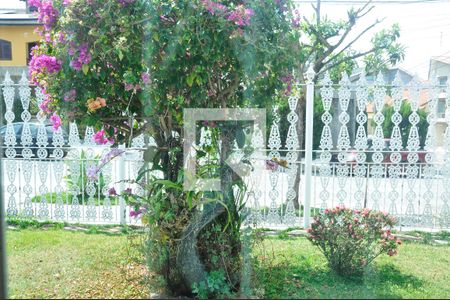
{"x": 424, "y": 24}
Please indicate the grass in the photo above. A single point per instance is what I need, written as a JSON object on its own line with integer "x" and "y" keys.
{"x": 67, "y": 198}
{"x": 293, "y": 268}
{"x": 50, "y": 262}
{"x": 56, "y": 263}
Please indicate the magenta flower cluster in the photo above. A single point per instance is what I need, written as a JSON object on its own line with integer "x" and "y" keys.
{"x": 56, "y": 121}
{"x": 125, "y": 2}
{"x": 240, "y": 15}
{"x": 46, "y": 105}
{"x": 83, "y": 58}
{"x": 47, "y": 13}
{"x": 101, "y": 139}
{"x": 43, "y": 63}
{"x": 213, "y": 7}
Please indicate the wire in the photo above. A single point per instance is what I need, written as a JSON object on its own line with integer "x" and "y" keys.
{"x": 362, "y": 2}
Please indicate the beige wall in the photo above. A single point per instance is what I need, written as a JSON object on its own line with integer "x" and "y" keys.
{"x": 19, "y": 36}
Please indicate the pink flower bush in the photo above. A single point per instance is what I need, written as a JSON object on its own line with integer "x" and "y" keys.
{"x": 352, "y": 239}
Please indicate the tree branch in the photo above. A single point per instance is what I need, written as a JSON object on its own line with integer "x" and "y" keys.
{"x": 318, "y": 34}
{"x": 353, "y": 41}
{"x": 352, "y": 21}
{"x": 348, "y": 58}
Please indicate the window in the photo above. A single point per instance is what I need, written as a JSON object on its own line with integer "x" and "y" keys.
{"x": 442, "y": 80}
{"x": 5, "y": 50}
{"x": 441, "y": 107}
{"x": 29, "y": 47}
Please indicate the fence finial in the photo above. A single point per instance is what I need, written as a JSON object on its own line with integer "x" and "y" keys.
{"x": 8, "y": 80}
{"x": 310, "y": 75}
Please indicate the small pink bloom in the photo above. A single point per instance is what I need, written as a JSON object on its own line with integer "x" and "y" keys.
{"x": 56, "y": 121}
{"x": 100, "y": 138}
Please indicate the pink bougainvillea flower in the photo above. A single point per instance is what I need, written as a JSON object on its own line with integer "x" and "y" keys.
{"x": 126, "y": 2}
{"x": 56, "y": 121}
{"x": 129, "y": 86}
{"x": 100, "y": 138}
{"x": 213, "y": 7}
{"x": 145, "y": 78}
{"x": 47, "y": 14}
{"x": 42, "y": 64}
{"x": 241, "y": 16}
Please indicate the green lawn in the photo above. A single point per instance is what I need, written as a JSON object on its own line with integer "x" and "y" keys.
{"x": 56, "y": 263}
{"x": 293, "y": 268}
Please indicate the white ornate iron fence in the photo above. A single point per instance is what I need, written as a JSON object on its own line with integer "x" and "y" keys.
{"x": 45, "y": 173}
{"x": 389, "y": 170}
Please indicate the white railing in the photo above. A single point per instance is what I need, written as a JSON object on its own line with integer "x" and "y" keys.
{"x": 407, "y": 180}
{"x": 44, "y": 173}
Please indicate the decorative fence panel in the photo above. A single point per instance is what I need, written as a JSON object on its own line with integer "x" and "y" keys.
{"x": 48, "y": 179}
{"x": 368, "y": 156}
{"x": 386, "y": 168}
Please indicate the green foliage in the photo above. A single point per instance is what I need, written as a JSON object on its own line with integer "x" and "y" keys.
{"x": 351, "y": 240}
{"x": 296, "y": 269}
{"x": 405, "y": 125}
{"x": 215, "y": 286}
{"x": 387, "y": 50}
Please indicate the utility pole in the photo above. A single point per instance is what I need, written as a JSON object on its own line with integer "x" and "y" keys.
{"x": 3, "y": 276}
{"x": 3, "y": 273}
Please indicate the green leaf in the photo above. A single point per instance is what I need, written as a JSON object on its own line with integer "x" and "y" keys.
{"x": 190, "y": 79}
{"x": 168, "y": 184}
{"x": 85, "y": 69}
{"x": 120, "y": 55}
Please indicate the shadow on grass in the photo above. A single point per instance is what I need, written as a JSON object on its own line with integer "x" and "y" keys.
{"x": 310, "y": 277}
{"x": 109, "y": 230}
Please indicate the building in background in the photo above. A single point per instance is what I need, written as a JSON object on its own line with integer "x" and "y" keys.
{"x": 17, "y": 36}
{"x": 440, "y": 71}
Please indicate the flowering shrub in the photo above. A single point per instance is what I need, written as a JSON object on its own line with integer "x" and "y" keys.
{"x": 90, "y": 65}
{"x": 352, "y": 239}
{"x": 132, "y": 66}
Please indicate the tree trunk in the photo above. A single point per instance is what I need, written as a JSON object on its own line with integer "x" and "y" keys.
{"x": 194, "y": 266}
{"x": 301, "y": 106}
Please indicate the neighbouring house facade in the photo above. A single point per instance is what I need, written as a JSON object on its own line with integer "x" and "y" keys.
{"x": 17, "y": 37}
{"x": 440, "y": 70}
{"x": 388, "y": 77}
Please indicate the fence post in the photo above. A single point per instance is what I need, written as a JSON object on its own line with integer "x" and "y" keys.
{"x": 121, "y": 178}
{"x": 308, "y": 145}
